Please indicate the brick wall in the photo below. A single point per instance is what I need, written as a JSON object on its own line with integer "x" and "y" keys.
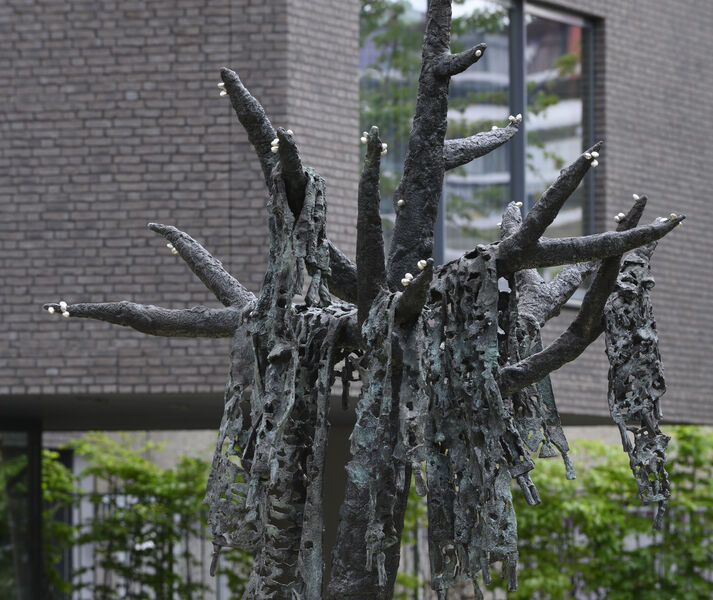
{"x": 111, "y": 119}
{"x": 655, "y": 82}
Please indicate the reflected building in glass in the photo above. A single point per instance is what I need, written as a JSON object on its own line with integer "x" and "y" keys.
{"x": 557, "y": 114}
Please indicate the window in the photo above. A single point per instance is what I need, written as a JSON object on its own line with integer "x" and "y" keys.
{"x": 538, "y": 63}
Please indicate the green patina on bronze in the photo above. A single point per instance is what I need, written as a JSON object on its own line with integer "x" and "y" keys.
{"x": 636, "y": 381}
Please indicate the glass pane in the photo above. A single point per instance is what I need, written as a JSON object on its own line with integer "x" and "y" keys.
{"x": 555, "y": 113}
{"x": 389, "y": 63}
{"x": 15, "y": 535}
{"x": 479, "y": 98}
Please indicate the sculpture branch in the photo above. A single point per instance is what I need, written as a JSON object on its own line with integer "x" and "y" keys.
{"x": 343, "y": 280}
{"x": 536, "y": 297}
{"x": 412, "y": 301}
{"x": 566, "y": 282}
{"x": 422, "y": 183}
{"x": 371, "y": 270}
{"x": 461, "y": 151}
{"x": 559, "y": 251}
{"x": 585, "y": 328}
{"x": 253, "y": 119}
{"x": 261, "y": 134}
{"x": 198, "y": 321}
{"x": 293, "y": 172}
{"x": 452, "y": 64}
{"x": 548, "y": 206}
{"x": 208, "y": 269}
{"x": 544, "y": 300}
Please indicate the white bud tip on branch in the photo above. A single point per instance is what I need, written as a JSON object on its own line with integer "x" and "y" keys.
{"x": 673, "y": 215}
{"x": 499, "y": 225}
{"x": 621, "y": 215}
{"x": 479, "y": 53}
{"x": 169, "y": 246}
{"x": 221, "y": 85}
{"x": 587, "y": 156}
{"x": 405, "y": 282}
{"x": 174, "y": 251}
{"x": 384, "y": 146}
{"x": 275, "y": 142}
{"x": 290, "y": 132}
{"x": 662, "y": 219}
{"x": 512, "y": 118}
{"x": 50, "y": 310}
{"x": 384, "y": 152}
{"x": 223, "y": 93}
{"x": 274, "y": 149}
{"x": 63, "y": 305}
{"x": 422, "y": 264}
{"x": 252, "y": 313}
{"x": 401, "y": 202}
{"x": 518, "y": 204}
{"x": 494, "y": 128}
{"x": 595, "y": 154}
{"x": 408, "y": 276}
{"x": 594, "y": 164}
{"x": 635, "y": 196}
{"x": 362, "y": 139}
{"x": 65, "y": 314}
{"x": 518, "y": 116}
{"x": 617, "y": 218}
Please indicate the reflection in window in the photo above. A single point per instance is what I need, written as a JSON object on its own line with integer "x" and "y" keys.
{"x": 555, "y": 112}
{"x": 475, "y": 194}
{"x": 17, "y": 571}
{"x": 482, "y": 96}
{"x": 389, "y": 62}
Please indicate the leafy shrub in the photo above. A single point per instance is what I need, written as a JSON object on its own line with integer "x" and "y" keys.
{"x": 145, "y": 526}
{"x": 592, "y": 538}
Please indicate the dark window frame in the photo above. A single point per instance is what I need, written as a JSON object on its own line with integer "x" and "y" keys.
{"x": 518, "y": 104}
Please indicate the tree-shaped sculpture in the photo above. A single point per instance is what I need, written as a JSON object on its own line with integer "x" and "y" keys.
{"x": 455, "y": 383}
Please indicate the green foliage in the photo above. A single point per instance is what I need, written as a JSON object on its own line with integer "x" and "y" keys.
{"x": 143, "y": 520}
{"x": 594, "y": 533}
{"x": 13, "y": 488}
{"x": 415, "y": 518}
{"x": 59, "y": 491}
{"x": 593, "y": 536}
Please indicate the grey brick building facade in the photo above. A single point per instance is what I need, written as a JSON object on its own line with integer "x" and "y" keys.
{"x": 111, "y": 118}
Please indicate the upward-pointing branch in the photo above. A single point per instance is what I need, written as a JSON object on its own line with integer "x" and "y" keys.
{"x": 261, "y": 133}
{"x": 540, "y": 299}
{"x": 585, "y": 328}
{"x": 422, "y": 182}
{"x": 253, "y": 119}
{"x": 412, "y": 301}
{"x": 371, "y": 270}
{"x": 293, "y": 173}
{"x": 208, "y": 269}
{"x": 548, "y": 206}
